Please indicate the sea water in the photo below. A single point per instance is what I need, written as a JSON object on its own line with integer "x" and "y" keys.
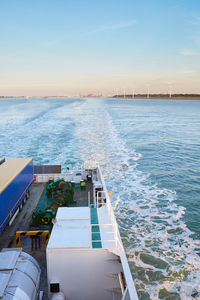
{"x": 149, "y": 152}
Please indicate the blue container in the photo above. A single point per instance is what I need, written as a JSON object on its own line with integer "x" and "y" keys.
{"x": 16, "y": 177}
{"x": 2, "y": 160}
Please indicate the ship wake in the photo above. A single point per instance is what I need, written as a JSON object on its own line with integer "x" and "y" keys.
{"x": 160, "y": 248}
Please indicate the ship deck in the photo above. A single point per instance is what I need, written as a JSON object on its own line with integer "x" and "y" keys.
{"x": 8, "y": 239}
{"x": 88, "y": 223}
{"x": 22, "y": 221}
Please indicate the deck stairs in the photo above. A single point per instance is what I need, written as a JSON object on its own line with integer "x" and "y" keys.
{"x": 112, "y": 269}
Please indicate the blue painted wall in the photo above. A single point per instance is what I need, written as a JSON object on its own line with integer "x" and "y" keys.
{"x": 14, "y": 194}
{"x": 2, "y": 161}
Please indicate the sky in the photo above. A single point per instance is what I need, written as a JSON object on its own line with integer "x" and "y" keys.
{"x": 72, "y": 47}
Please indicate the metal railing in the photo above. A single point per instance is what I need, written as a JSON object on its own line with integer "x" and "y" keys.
{"x": 32, "y": 233}
{"x": 114, "y": 240}
{"x": 103, "y": 200}
{"x": 100, "y": 200}
{"x": 70, "y": 176}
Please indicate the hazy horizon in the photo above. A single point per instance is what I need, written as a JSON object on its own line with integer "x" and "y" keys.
{"x": 100, "y": 47}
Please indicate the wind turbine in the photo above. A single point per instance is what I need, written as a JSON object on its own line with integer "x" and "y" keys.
{"x": 117, "y": 93}
{"x": 124, "y": 93}
{"x": 148, "y": 91}
{"x": 170, "y": 89}
{"x": 133, "y": 93}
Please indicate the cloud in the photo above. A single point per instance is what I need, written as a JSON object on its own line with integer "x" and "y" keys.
{"x": 113, "y": 27}
{"x": 189, "y": 52}
{"x": 186, "y": 72}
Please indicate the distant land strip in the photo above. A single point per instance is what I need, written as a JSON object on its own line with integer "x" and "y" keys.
{"x": 124, "y": 96}
{"x": 160, "y": 96}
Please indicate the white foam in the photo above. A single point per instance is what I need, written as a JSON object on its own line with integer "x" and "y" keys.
{"x": 145, "y": 212}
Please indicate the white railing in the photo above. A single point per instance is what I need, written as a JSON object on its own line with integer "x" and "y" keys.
{"x": 108, "y": 207}
{"x": 114, "y": 241}
{"x": 101, "y": 196}
{"x": 71, "y": 176}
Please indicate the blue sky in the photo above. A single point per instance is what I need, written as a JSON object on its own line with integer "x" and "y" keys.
{"x": 70, "y": 47}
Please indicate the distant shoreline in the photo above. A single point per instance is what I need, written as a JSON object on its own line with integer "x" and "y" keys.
{"x": 158, "y": 97}
{"x": 131, "y": 97}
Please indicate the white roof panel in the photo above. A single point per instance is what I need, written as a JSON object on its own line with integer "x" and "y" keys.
{"x": 72, "y": 228}
{"x": 73, "y": 213}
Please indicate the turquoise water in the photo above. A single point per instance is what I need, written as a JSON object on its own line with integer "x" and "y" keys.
{"x": 149, "y": 151}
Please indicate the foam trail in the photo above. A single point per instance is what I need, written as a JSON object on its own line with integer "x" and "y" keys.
{"x": 41, "y": 129}
{"x": 158, "y": 243}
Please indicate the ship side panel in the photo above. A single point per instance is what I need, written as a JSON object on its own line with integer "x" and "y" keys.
{"x": 14, "y": 194}
{"x": 2, "y": 160}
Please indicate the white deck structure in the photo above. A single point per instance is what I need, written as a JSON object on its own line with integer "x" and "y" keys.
{"x": 85, "y": 255}
{"x": 71, "y": 229}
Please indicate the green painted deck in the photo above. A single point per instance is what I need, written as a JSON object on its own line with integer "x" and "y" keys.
{"x": 80, "y": 200}
{"x": 96, "y": 236}
{"x": 43, "y": 203}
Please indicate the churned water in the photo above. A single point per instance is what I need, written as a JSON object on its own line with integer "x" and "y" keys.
{"x": 149, "y": 151}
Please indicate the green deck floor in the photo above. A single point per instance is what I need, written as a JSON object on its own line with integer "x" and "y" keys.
{"x": 43, "y": 202}
{"x": 96, "y": 236}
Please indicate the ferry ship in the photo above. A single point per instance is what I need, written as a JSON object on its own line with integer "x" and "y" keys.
{"x": 67, "y": 244}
